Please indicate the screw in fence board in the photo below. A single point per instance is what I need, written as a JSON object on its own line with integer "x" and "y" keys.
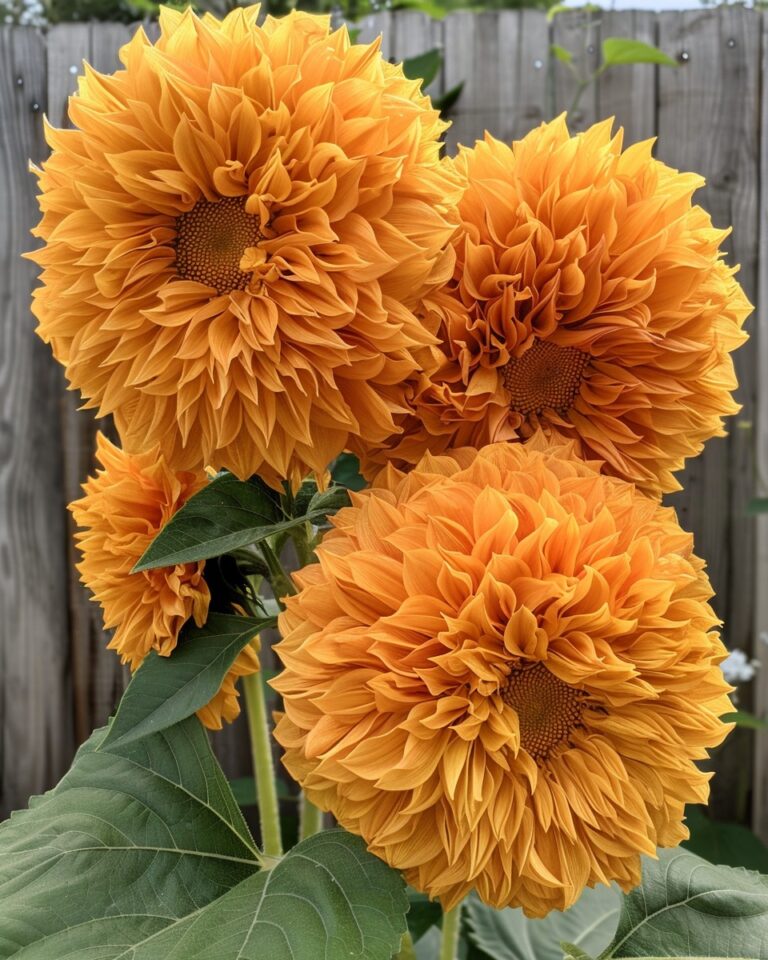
{"x": 577, "y": 31}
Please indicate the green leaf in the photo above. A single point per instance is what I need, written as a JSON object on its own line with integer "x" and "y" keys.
{"x": 448, "y": 99}
{"x": 325, "y": 502}
{"x": 563, "y": 55}
{"x": 424, "y": 67}
{"x": 130, "y": 841}
{"x": 509, "y": 935}
{"x": 346, "y": 471}
{"x": 423, "y": 914}
{"x": 227, "y": 514}
{"x": 624, "y": 50}
{"x": 328, "y": 897}
{"x": 572, "y": 952}
{"x": 686, "y": 907}
{"x": 728, "y": 843}
{"x": 165, "y": 690}
{"x": 553, "y": 11}
{"x": 744, "y": 719}
{"x": 244, "y": 791}
{"x": 758, "y": 505}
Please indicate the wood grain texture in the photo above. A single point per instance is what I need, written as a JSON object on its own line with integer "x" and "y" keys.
{"x": 377, "y": 25}
{"x": 629, "y": 93}
{"x": 414, "y": 33}
{"x": 578, "y": 32}
{"x": 481, "y": 50}
{"x": 35, "y": 692}
{"x": 708, "y": 121}
{"x": 97, "y": 676}
{"x": 760, "y": 575}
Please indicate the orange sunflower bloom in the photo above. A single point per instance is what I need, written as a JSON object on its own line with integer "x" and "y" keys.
{"x": 236, "y": 235}
{"x": 500, "y": 674}
{"x": 590, "y": 300}
{"x": 124, "y": 507}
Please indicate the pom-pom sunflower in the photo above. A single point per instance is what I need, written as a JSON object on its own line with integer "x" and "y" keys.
{"x": 125, "y": 505}
{"x": 590, "y": 300}
{"x": 501, "y": 673}
{"x": 236, "y": 234}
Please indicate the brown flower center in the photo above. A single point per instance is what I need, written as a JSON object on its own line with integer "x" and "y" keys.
{"x": 211, "y": 239}
{"x": 548, "y": 710}
{"x": 544, "y": 377}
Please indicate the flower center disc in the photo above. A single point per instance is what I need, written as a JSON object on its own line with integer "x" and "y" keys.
{"x": 211, "y": 239}
{"x": 547, "y": 709}
{"x": 545, "y": 377}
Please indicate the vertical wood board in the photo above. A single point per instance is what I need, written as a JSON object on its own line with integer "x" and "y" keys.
{"x": 35, "y": 696}
{"x": 708, "y": 122}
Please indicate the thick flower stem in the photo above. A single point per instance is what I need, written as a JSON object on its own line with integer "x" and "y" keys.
{"x": 263, "y": 766}
{"x": 449, "y": 944}
{"x": 311, "y": 819}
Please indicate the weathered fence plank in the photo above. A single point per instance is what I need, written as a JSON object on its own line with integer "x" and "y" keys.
{"x": 708, "y": 122}
{"x": 481, "y": 51}
{"x": 414, "y": 33}
{"x": 760, "y": 573}
{"x": 97, "y": 677}
{"x": 629, "y": 93}
{"x": 578, "y": 32}
{"x": 35, "y": 695}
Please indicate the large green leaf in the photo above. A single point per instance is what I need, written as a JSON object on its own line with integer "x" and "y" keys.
{"x": 728, "y": 843}
{"x": 424, "y": 67}
{"x": 328, "y": 898}
{"x": 509, "y": 935}
{"x": 345, "y": 470}
{"x": 141, "y": 853}
{"x": 130, "y": 841}
{"x": 686, "y": 907}
{"x": 227, "y": 514}
{"x": 166, "y": 690}
{"x": 626, "y": 51}
{"x": 422, "y": 914}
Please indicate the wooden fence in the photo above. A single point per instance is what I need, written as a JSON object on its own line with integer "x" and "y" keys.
{"x": 56, "y": 679}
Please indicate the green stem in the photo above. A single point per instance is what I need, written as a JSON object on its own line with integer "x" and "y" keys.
{"x": 282, "y": 585}
{"x": 263, "y": 766}
{"x": 407, "y": 951}
{"x": 449, "y": 943}
{"x": 302, "y": 541}
{"x": 311, "y": 819}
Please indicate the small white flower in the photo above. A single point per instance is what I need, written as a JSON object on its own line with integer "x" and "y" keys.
{"x": 737, "y": 668}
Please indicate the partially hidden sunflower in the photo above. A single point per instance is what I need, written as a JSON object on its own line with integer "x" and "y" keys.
{"x": 237, "y": 232}
{"x": 590, "y": 299}
{"x": 501, "y": 673}
{"x": 125, "y": 505}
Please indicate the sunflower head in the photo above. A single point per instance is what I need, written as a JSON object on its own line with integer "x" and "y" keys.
{"x": 125, "y": 505}
{"x": 237, "y": 232}
{"x": 501, "y": 673}
{"x": 590, "y": 300}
